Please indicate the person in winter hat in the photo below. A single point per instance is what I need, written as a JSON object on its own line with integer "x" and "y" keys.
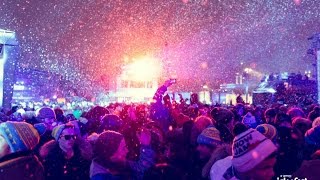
{"x": 220, "y": 160}
{"x": 67, "y": 156}
{"x": 20, "y": 136}
{"x": 200, "y": 123}
{"x": 251, "y": 150}
{"x": 110, "y": 152}
{"x": 45, "y": 112}
{"x": 253, "y": 157}
{"x": 17, "y": 140}
{"x": 47, "y": 116}
{"x": 107, "y": 145}
{"x": 110, "y": 161}
{"x": 224, "y": 122}
{"x": 207, "y": 141}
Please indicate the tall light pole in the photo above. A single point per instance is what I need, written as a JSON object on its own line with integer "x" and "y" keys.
{"x": 315, "y": 50}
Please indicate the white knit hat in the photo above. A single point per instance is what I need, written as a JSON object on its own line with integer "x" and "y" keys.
{"x": 249, "y": 149}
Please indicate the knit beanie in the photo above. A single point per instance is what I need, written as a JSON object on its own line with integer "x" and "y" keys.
{"x": 267, "y": 130}
{"x": 110, "y": 122}
{"x": 209, "y": 136}
{"x": 312, "y": 136}
{"x": 107, "y": 144}
{"x": 21, "y": 136}
{"x": 56, "y": 132}
{"x": 249, "y": 149}
{"x": 249, "y": 120}
{"x": 45, "y": 112}
{"x": 202, "y": 122}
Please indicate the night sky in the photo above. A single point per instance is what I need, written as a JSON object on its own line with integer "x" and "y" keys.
{"x": 205, "y": 40}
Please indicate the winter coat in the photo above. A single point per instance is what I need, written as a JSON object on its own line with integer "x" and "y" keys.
{"x": 22, "y": 166}
{"x": 57, "y": 167}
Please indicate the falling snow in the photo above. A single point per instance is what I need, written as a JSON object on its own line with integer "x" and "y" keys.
{"x": 208, "y": 40}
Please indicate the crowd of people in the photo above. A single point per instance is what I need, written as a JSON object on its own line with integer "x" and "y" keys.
{"x": 164, "y": 140}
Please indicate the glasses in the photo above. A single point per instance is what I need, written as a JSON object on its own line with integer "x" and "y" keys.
{"x": 68, "y": 137}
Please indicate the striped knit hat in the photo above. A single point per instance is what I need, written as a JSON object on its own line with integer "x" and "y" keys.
{"x": 267, "y": 130}
{"x": 249, "y": 149}
{"x": 21, "y": 136}
{"x": 209, "y": 136}
{"x": 56, "y": 132}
